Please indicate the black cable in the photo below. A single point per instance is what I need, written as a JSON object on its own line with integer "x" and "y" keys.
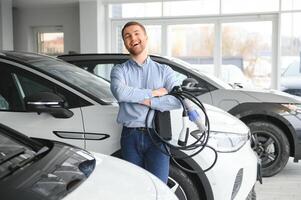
{"x": 198, "y": 145}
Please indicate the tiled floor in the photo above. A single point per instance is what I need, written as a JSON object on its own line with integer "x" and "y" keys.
{"x": 284, "y": 186}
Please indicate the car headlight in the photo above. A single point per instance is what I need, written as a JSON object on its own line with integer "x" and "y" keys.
{"x": 225, "y": 142}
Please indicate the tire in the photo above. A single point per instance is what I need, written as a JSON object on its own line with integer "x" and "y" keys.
{"x": 271, "y": 145}
{"x": 182, "y": 185}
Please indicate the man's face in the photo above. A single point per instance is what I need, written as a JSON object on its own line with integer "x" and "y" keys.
{"x": 135, "y": 39}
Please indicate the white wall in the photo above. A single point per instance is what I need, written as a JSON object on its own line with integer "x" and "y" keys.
{"x": 6, "y": 25}
{"x": 25, "y": 19}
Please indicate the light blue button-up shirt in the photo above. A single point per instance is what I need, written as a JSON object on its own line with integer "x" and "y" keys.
{"x": 132, "y": 83}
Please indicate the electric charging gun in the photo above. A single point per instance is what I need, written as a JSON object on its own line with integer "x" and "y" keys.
{"x": 189, "y": 112}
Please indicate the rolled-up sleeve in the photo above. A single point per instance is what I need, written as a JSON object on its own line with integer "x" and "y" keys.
{"x": 124, "y": 93}
{"x": 167, "y": 102}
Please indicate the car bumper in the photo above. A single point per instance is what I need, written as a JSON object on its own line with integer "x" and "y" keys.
{"x": 234, "y": 174}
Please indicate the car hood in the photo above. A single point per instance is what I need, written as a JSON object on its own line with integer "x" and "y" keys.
{"x": 116, "y": 179}
{"x": 270, "y": 96}
{"x": 221, "y": 121}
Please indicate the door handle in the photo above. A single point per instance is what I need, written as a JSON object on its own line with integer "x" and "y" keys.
{"x": 81, "y": 135}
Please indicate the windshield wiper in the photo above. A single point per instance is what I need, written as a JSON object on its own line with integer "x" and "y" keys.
{"x": 12, "y": 155}
{"x": 14, "y": 167}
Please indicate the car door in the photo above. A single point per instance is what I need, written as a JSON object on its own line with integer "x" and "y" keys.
{"x": 18, "y": 82}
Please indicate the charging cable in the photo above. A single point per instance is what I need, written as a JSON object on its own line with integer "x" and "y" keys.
{"x": 190, "y": 103}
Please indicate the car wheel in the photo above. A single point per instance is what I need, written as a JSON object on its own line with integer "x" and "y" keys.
{"x": 271, "y": 145}
{"x": 181, "y": 184}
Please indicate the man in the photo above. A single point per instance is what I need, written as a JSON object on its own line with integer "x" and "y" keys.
{"x": 140, "y": 84}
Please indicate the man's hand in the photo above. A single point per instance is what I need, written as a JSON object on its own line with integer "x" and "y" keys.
{"x": 155, "y": 93}
{"x": 159, "y": 92}
{"x": 147, "y": 102}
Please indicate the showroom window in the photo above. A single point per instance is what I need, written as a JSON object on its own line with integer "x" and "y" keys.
{"x": 192, "y": 7}
{"x": 290, "y": 5}
{"x": 50, "y": 43}
{"x": 239, "y": 6}
{"x": 256, "y": 42}
{"x": 49, "y": 40}
{"x": 129, "y": 10}
{"x": 249, "y": 44}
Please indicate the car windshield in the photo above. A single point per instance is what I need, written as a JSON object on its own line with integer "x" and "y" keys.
{"x": 12, "y": 154}
{"x": 78, "y": 77}
{"x": 75, "y": 76}
{"x": 213, "y": 79}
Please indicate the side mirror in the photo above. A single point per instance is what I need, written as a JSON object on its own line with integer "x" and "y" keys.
{"x": 193, "y": 86}
{"x": 47, "y": 102}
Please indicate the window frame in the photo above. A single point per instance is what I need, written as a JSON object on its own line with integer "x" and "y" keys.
{"x": 217, "y": 21}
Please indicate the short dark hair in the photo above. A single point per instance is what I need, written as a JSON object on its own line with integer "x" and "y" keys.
{"x": 132, "y": 23}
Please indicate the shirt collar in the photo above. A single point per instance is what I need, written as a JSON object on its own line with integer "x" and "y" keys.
{"x": 146, "y": 62}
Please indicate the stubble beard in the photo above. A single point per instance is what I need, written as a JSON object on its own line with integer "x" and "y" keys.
{"x": 136, "y": 51}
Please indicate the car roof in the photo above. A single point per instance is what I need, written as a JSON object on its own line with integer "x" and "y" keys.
{"x": 25, "y": 57}
{"x": 72, "y": 58}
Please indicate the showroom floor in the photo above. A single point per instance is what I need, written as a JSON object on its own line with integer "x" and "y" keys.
{"x": 284, "y": 186}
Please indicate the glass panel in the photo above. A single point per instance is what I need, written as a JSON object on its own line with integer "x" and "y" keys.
{"x": 193, "y": 43}
{"x": 130, "y": 10}
{"x": 248, "y": 46}
{"x": 154, "y": 39}
{"x": 239, "y": 6}
{"x": 103, "y": 70}
{"x": 291, "y": 5}
{"x": 290, "y": 80}
{"x": 74, "y": 76}
{"x": 51, "y": 43}
{"x": 192, "y": 7}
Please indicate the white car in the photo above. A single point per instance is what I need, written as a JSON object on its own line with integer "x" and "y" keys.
{"x": 273, "y": 117}
{"x": 52, "y": 99}
{"x": 32, "y": 168}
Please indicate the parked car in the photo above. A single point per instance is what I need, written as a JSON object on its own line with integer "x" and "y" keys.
{"x": 273, "y": 117}
{"x": 35, "y": 169}
{"x": 230, "y": 74}
{"x": 49, "y": 98}
{"x": 290, "y": 81}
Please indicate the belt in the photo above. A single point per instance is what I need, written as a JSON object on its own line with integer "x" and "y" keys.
{"x": 137, "y": 128}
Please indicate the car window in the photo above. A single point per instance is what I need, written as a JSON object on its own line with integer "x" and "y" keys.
{"x": 12, "y": 154}
{"x": 293, "y": 69}
{"x": 180, "y": 76}
{"x": 10, "y": 98}
{"x": 103, "y": 70}
{"x": 3, "y": 103}
{"x": 76, "y": 77}
{"x": 16, "y": 84}
{"x": 107, "y": 65}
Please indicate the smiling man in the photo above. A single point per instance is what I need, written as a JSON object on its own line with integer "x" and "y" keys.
{"x": 139, "y": 84}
